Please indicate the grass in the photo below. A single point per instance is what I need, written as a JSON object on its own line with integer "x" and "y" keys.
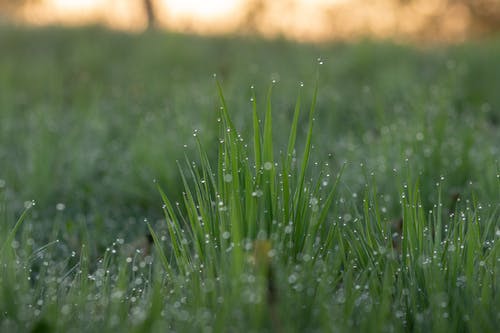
{"x": 365, "y": 200}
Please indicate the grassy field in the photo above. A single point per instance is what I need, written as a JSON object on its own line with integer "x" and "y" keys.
{"x": 340, "y": 187}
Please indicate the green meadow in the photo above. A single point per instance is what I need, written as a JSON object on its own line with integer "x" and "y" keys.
{"x": 161, "y": 182}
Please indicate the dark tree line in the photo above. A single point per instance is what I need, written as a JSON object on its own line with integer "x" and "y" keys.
{"x": 484, "y": 14}
{"x": 9, "y": 6}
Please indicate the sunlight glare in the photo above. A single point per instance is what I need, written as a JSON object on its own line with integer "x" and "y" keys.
{"x": 74, "y": 5}
{"x": 203, "y": 9}
{"x": 303, "y": 20}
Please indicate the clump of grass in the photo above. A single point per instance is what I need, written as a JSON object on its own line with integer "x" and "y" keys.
{"x": 249, "y": 213}
{"x": 259, "y": 240}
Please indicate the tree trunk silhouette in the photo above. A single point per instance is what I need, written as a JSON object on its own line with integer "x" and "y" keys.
{"x": 254, "y": 9}
{"x": 150, "y": 13}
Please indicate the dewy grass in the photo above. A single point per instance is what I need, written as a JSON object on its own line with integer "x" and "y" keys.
{"x": 242, "y": 216}
{"x": 230, "y": 206}
{"x": 7, "y": 242}
{"x": 260, "y": 241}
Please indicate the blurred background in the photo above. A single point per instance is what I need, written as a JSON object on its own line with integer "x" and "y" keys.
{"x": 302, "y": 20}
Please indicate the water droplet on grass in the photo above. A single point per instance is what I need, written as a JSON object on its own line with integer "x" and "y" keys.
{"x": 29, "y": 204}
{"x": 65, "y": 310}
{"x": 257, "y": 193}
{"x": 117, "y": 294}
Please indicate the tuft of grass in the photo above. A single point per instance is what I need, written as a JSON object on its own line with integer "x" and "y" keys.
{"x": 241, "y": 216}
{"x": 265, "y": 241}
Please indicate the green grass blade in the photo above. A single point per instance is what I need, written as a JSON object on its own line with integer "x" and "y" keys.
{"x": 12, "y": 233}
{"x": 256, "y": 134}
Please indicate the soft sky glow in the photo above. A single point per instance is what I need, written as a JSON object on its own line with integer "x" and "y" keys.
{"x": 75, "y": 5}
{"x": 304, "y": 20}
{"x": 202, "y": 8}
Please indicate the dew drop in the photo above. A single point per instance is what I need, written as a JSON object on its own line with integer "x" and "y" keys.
{"x": 29, "y": 204}
{"x": 257, "y": 193}
{"x": 65, "y": 310}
